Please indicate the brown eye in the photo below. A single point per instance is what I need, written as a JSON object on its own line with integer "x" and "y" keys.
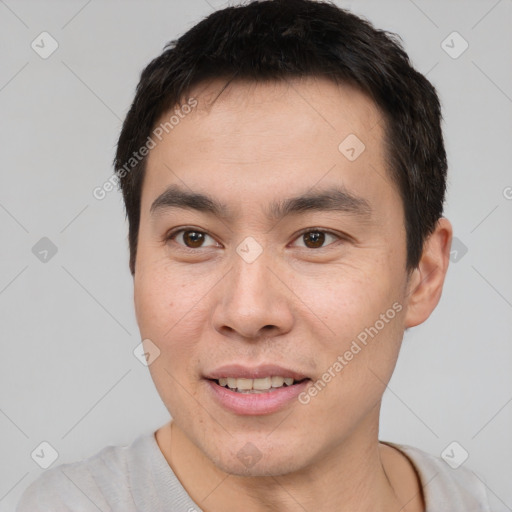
{"x": 316, "y": 238}
{"x": 190, "y": 238}
{"x": 193, "y": 239}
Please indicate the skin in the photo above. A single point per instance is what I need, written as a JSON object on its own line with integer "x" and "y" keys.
{"x": 296, "y": 305}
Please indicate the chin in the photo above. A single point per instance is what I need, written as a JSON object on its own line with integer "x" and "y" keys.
{"x": 262, "y": 461}
{"x": 263, "y": 468}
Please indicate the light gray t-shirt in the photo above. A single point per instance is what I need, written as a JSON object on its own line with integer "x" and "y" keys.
{"x": 137, "y": 478}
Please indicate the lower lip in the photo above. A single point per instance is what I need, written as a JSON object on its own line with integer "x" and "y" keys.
{"x": 252, "y": 404}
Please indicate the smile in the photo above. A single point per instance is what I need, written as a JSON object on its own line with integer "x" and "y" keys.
{"x": 261, "y": 385}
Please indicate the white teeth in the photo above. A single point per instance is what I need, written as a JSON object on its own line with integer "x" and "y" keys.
{"x": 265, "y": 383}
{"x": 244, "y": 384}
{"x": 256, "y": 385}
{"x": 277, "y": 382}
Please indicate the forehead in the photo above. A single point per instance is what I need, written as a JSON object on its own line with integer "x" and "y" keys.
{"x": 286, "y": 111}
{"x": 316, "y": 92}
{"x": 271, "y": 138}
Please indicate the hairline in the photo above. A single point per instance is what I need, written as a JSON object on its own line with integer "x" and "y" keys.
{"x": 390, "y": 162}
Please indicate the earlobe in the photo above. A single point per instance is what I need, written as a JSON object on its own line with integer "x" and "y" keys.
{"x": 426, "y": 281}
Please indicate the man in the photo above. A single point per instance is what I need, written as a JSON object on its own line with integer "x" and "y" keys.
{"x": 283, "y": 171}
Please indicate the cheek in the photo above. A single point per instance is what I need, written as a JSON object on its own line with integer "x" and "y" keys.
{"x": 173, "y": 311}
{"x": 348, "y": 298}
{"x": 359, "y": 335}
{"x": 168, "y": 312}
{"x": 353, "y": 373}
{"x": 166, "y": 300}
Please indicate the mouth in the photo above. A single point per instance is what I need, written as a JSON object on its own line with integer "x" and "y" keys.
{"x": 260, "y": 385}
{"x": 255, "y": 391}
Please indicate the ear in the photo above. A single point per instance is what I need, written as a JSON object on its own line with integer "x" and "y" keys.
{"x": 426, "y": 280}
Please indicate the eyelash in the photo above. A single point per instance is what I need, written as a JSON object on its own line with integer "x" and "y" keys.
{"x": 172, "y": 235}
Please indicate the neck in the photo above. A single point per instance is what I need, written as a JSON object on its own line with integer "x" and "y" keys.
{"x": 357, "y": 475}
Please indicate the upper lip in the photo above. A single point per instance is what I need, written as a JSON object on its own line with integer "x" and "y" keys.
{"x": 254, "y": 372}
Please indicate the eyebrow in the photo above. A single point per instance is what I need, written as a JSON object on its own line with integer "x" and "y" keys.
{"x": 331, "y": 199}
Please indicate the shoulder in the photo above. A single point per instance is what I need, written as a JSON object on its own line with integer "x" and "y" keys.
{"x": 94, "y": 483}
{"x": 446, "y": 488}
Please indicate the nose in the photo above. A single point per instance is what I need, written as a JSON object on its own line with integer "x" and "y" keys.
{"x": 254, "y": 301}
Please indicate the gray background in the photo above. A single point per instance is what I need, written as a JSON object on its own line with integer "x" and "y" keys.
{"x": 68, "y": 373}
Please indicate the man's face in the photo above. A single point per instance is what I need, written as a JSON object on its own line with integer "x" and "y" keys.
{"x": 254, "y": 288}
